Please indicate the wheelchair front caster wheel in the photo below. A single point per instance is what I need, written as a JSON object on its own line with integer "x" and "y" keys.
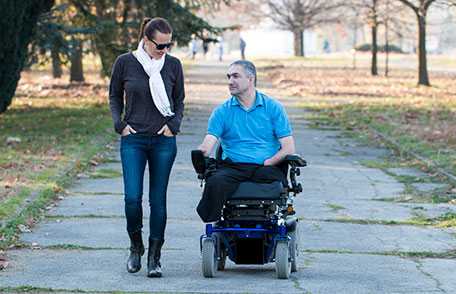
{"x": 282, "y": 260}
{"x": 209, "y": 258}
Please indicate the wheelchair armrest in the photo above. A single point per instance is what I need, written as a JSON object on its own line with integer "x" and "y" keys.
{"x": 199, "y": 161}
{"x": 295, "y": 160}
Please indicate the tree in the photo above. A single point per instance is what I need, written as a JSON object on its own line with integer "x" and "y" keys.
{"x": 116, "y": 23}
{"x": 374, "y": 22}
{"x": 420, "y": 8}
{"x": 300, "y": 15}
{"x": 60, "y": 37}
{"x": 18, "y": 20}
{"x": 375, "y": 13}
{"x": 49, "y": 41}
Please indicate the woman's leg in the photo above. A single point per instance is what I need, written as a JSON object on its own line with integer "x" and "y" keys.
{"x": 134, "y": 156}
{"x": 160, "y": 158}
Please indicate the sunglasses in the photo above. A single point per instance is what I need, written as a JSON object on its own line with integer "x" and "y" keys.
{"x": 162, "y": 46}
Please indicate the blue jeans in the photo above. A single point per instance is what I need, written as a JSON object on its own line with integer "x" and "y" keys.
{"x": 159, "y": 152}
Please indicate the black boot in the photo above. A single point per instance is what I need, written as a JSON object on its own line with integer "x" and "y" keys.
{"x": 136, "y": 251}
{"x": 153, "y": 258}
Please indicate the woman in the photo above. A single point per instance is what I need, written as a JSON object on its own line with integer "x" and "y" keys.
{"x": 152, "y": 83}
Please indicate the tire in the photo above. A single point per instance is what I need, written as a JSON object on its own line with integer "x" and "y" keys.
{"x": 294, "y": 250}
{"x": 282, "y": 260}
{"x": 209, "y": 258}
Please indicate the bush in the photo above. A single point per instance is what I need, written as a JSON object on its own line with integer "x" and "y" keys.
{"x": 381, "y": 48}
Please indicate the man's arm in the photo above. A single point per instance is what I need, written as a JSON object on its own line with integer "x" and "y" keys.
{"x": 287, "y": 148}
{"x": 208, "y": 144}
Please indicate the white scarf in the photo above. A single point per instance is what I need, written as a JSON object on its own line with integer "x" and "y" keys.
{"x": 157, "y": 88}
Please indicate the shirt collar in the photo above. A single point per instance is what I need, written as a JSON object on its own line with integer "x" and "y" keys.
{"x": 259, "y": 101}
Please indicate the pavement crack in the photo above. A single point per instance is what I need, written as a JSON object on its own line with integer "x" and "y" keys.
{"x": 371, "y": 183}
{"x": 419, "y": 267}
{"x": 297, "y": 285}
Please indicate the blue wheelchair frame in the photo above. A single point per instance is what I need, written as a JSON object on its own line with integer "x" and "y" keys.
{"x": 279, "y": 233}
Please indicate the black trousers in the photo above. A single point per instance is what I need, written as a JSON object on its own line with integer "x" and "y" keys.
{"x": 225, "y": 181}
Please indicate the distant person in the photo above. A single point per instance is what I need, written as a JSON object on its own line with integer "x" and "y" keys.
{"x": 146, "y": 97}
{"x": 242, "y": 45}
{"x": 193, "y": 47}
{"x": 326, "y": 46}
{"x": 206, "y": 42}
{"x": 220, "y": 48}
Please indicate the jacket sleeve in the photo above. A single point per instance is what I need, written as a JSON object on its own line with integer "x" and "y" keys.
{"x": 178, "y": 99}
{"x": 116, "y": 96}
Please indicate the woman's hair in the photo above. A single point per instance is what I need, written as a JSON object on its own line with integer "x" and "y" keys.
{"x": 150, "y": 25}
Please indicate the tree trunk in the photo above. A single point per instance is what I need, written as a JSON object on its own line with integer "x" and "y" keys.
{"x": 17, "y": 22}
{"x": 387, "y": 39}
{"x": 298, "y": 43}
{"x": 374, "y": 69}
{"x": 56, "y": 64}
{"x": 76, "y": 71}
{"x": 104, "y": 43}
{"x": 386, "y": 48}
{"x": 423, "y": 78}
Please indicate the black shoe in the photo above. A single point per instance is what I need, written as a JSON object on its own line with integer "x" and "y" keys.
{"x": 153, "y": 258}
{"x": 136, "y": 251}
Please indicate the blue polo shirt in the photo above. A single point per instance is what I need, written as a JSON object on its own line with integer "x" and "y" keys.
{"x": 249, "y": 135}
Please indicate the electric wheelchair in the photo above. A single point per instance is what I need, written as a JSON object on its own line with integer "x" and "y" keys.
{"x": 258, "y": 223}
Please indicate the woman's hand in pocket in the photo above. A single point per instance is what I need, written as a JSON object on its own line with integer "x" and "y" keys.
{"x": 127, "y": 131}
{"x": 165, "y": 131}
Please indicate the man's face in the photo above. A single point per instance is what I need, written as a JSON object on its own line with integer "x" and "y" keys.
{"x": 238, "y": 81}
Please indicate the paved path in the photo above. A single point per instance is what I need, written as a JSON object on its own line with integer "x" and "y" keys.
{"x": 82, "y": 244}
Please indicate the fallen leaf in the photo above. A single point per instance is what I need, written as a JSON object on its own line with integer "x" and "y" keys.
{"x": 23, "y": 229}
{"x": 35, "y": 246}
{"x": 3, "y": 263}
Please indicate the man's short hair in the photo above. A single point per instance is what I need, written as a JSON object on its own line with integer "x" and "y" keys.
{"x": 248, "y": 67}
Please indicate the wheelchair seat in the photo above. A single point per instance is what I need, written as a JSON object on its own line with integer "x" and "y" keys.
{"x": 258, "y": 191}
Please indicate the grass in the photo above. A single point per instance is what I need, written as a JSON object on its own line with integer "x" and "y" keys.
{"x": 451, "y": 254}
{"x": 60, "y": 130}
{"x": 446, "y": 220}
{"x": 421, "y": 120}
{"x": 105, "y": 174}
{"x": 335, "y": 207}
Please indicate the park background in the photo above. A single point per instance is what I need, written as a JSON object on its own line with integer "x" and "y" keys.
{"x": 382, "y": 70}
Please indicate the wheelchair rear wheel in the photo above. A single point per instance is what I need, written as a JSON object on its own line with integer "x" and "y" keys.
{"x": 282, "y": 260}
{"x": 209, "y": 258}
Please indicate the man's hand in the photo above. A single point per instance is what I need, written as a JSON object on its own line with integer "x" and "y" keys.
{"x": 127, "y": 131}
{"x": 287, "y": 147}
{"x": 268, "y": 162}
{"x": 165, "y": 131}
{"x": 208, "y": 144}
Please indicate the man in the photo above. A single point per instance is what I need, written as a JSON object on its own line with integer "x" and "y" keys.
{"x": 255, "y": 135}
{"x": 242, "y": 45}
